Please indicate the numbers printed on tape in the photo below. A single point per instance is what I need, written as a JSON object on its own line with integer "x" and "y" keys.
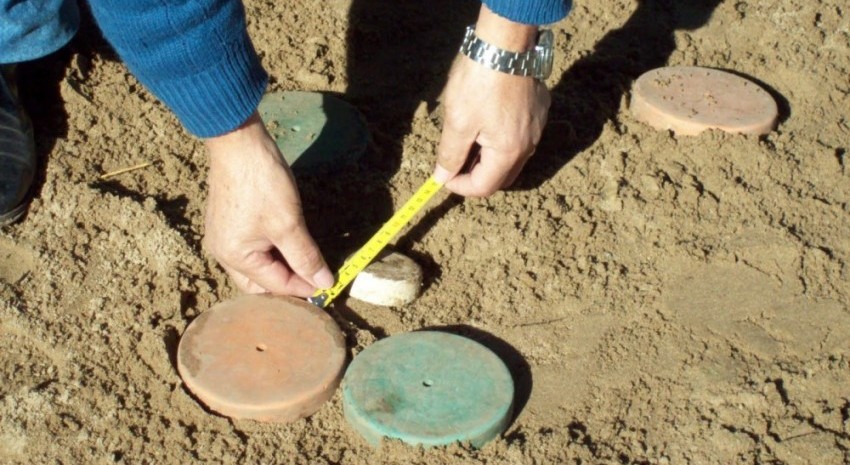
{"x": 373, "y": 247}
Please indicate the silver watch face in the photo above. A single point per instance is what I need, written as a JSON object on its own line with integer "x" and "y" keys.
{"x": 545, "y": 54}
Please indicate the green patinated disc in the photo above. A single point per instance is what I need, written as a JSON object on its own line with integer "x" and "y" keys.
{"x": 429, "y": 388}
{"x": 315, "y": 132}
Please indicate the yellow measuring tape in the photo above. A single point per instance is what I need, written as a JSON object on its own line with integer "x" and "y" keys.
{"x": 373, "y": 247}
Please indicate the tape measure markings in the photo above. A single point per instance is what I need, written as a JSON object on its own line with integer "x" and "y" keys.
{"x": 373, "y": 247}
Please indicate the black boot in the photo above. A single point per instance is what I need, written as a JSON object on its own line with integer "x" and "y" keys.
{"x": 17, "y": 151}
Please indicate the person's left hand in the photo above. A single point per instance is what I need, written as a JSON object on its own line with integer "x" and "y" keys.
{"x": 502, "y": 113}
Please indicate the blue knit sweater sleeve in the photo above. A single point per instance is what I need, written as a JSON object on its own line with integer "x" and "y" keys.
{"x": 195, "y": 56}
{"x": 531, "y": 11}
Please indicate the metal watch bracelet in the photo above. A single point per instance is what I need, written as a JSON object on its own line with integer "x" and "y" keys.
{"x": 536, "y": 62}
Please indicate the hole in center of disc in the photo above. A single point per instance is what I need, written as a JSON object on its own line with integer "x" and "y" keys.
{"x": 427, "y": 383}
{"x": 261, "y": 347}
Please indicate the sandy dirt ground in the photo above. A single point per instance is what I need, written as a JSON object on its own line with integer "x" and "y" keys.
{"x": 659, "y": 299}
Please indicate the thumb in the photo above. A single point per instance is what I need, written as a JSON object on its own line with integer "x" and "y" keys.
{"x": 452, "y": 152}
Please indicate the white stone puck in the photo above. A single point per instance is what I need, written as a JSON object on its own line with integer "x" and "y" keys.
{"x": 392, "y": 280}
{"x": 689, "y": 100}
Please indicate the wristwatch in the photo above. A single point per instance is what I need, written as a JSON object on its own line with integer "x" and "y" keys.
{"x": 536, "y": 62}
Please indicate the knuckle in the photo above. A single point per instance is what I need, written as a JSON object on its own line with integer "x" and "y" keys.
{"x": 289, "y": 224}
{"x": 207, "y": 245}
{"x": 456, "y": 121}
{"x": 517, "y": 151}
{"x": 212, "y": 246}
{"x": 306, "y": 260}
{"x": 490, "y": 190}
{"x": 224, "y": 251}
{"x": 228, "y": 254}
{"x": 483, "y": 190}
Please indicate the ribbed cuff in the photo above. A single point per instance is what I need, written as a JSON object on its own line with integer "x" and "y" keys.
{"x": 536, "y": 12}
{"x": 220, "y": 98}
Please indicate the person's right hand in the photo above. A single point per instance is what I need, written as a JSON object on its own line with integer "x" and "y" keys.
{"x": 254, "y": 224}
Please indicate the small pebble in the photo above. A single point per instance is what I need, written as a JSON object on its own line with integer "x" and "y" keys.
{"x": 392, "y": 280}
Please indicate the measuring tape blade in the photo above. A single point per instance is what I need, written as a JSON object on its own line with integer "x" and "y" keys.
{"x": 373, "y": 247}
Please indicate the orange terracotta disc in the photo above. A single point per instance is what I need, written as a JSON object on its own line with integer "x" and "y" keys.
{"x": 263, "y": 358}
{"x": 688, "y": 100}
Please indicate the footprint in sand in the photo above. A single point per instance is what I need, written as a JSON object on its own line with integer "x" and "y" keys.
{"x": 16, "y": 261}
{"x": 25, "y": 362}
{"x": 752, "y": 311}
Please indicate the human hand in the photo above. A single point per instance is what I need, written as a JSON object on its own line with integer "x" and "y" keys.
{"x": 254, "y": 224}
{"x": 502, "y": 113}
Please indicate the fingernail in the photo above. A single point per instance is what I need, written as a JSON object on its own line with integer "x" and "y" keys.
{"x": 323, "y": 279}
{"x": 442, "y": 175}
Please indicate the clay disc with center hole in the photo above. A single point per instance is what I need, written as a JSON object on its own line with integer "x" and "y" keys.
{"x": 262, "y": 358}
{"x": 688, "y": 100}
{"x": 428, "y": 388}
